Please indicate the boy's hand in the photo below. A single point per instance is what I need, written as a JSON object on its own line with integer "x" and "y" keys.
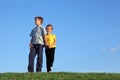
{"x": 31, "y": 46}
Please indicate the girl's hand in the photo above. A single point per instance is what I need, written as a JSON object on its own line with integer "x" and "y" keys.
{"x": 49, "y": 46}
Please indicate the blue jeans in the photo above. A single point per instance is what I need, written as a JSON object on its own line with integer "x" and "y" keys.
{"x": 37, "y": 49}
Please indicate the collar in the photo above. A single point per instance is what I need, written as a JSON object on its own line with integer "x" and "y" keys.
{"x": 39, "y": 26}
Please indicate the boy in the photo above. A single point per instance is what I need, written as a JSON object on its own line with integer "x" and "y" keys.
{"x": 36, "y": 45}
{"x": 50, "y": 47}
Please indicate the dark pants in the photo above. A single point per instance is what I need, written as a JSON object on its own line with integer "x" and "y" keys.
{"x": 36, "y": 50}
{"x": 49, "y": 57}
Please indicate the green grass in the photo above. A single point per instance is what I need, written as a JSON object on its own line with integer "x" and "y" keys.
{"x": 59, "y": 76}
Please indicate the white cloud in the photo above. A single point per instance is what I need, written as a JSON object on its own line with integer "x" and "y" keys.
{"x": 119, "y": 46}
{"x": 113, "y": 49}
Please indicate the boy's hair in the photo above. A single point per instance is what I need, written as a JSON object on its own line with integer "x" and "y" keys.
{"x": 49, "y": 25}
{"x": 40, "y": 18}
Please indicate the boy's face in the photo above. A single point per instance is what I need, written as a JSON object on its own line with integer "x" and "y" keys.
{"x": 38, "y": 22}
{"x": 49, "y": 29}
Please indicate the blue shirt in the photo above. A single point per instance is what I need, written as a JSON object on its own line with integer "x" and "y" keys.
{"x": 37, "y": 34}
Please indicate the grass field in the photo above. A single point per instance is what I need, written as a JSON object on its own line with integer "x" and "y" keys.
{"x": 59, "y": 76}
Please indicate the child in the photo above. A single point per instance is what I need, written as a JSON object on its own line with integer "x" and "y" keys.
{"x": 50, "y": 47}
{"x": 36, "y": 45}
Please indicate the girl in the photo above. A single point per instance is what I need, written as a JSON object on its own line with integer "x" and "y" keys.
{"x": 50, "y": 47}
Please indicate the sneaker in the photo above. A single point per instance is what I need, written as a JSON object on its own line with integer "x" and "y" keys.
{"x": 49, "y": 70}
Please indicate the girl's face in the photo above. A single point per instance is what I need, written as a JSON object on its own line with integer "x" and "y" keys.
{"x": 49, "y": 29}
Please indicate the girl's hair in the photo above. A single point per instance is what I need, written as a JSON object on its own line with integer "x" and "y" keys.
{"x": 49, "y": 25}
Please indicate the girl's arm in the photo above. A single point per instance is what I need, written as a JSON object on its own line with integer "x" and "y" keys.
{"x": 54, "y": 43}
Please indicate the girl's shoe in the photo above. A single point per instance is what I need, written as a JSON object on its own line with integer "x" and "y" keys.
{"x": 49, "y": 70}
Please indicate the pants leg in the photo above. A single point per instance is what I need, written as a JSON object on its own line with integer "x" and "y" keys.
{"x": 32, "y": 55}
{"x": 39, "y": 57}
{"x": 47, "y": 51}
{"x": 52, "y": 53}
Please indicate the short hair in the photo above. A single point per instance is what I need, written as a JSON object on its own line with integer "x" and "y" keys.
{"x": 40, "y": 18}
{"x": 49, "y": 25}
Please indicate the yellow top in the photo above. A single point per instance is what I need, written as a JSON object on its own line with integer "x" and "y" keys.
{"x": 51, "y": 40}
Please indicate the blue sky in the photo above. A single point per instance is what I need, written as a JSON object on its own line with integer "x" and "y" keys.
{"x": 88, "y": 34}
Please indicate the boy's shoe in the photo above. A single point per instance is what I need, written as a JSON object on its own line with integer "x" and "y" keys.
{"x": 30, "y": 71}
{"x": 38, "y": 71}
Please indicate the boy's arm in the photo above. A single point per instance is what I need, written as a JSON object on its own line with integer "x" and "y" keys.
{"x": 44, "y": 36}
{"x": 45, "y": 40}
{"x": 31, "y": 43}
{"x": 31, "y": 34}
